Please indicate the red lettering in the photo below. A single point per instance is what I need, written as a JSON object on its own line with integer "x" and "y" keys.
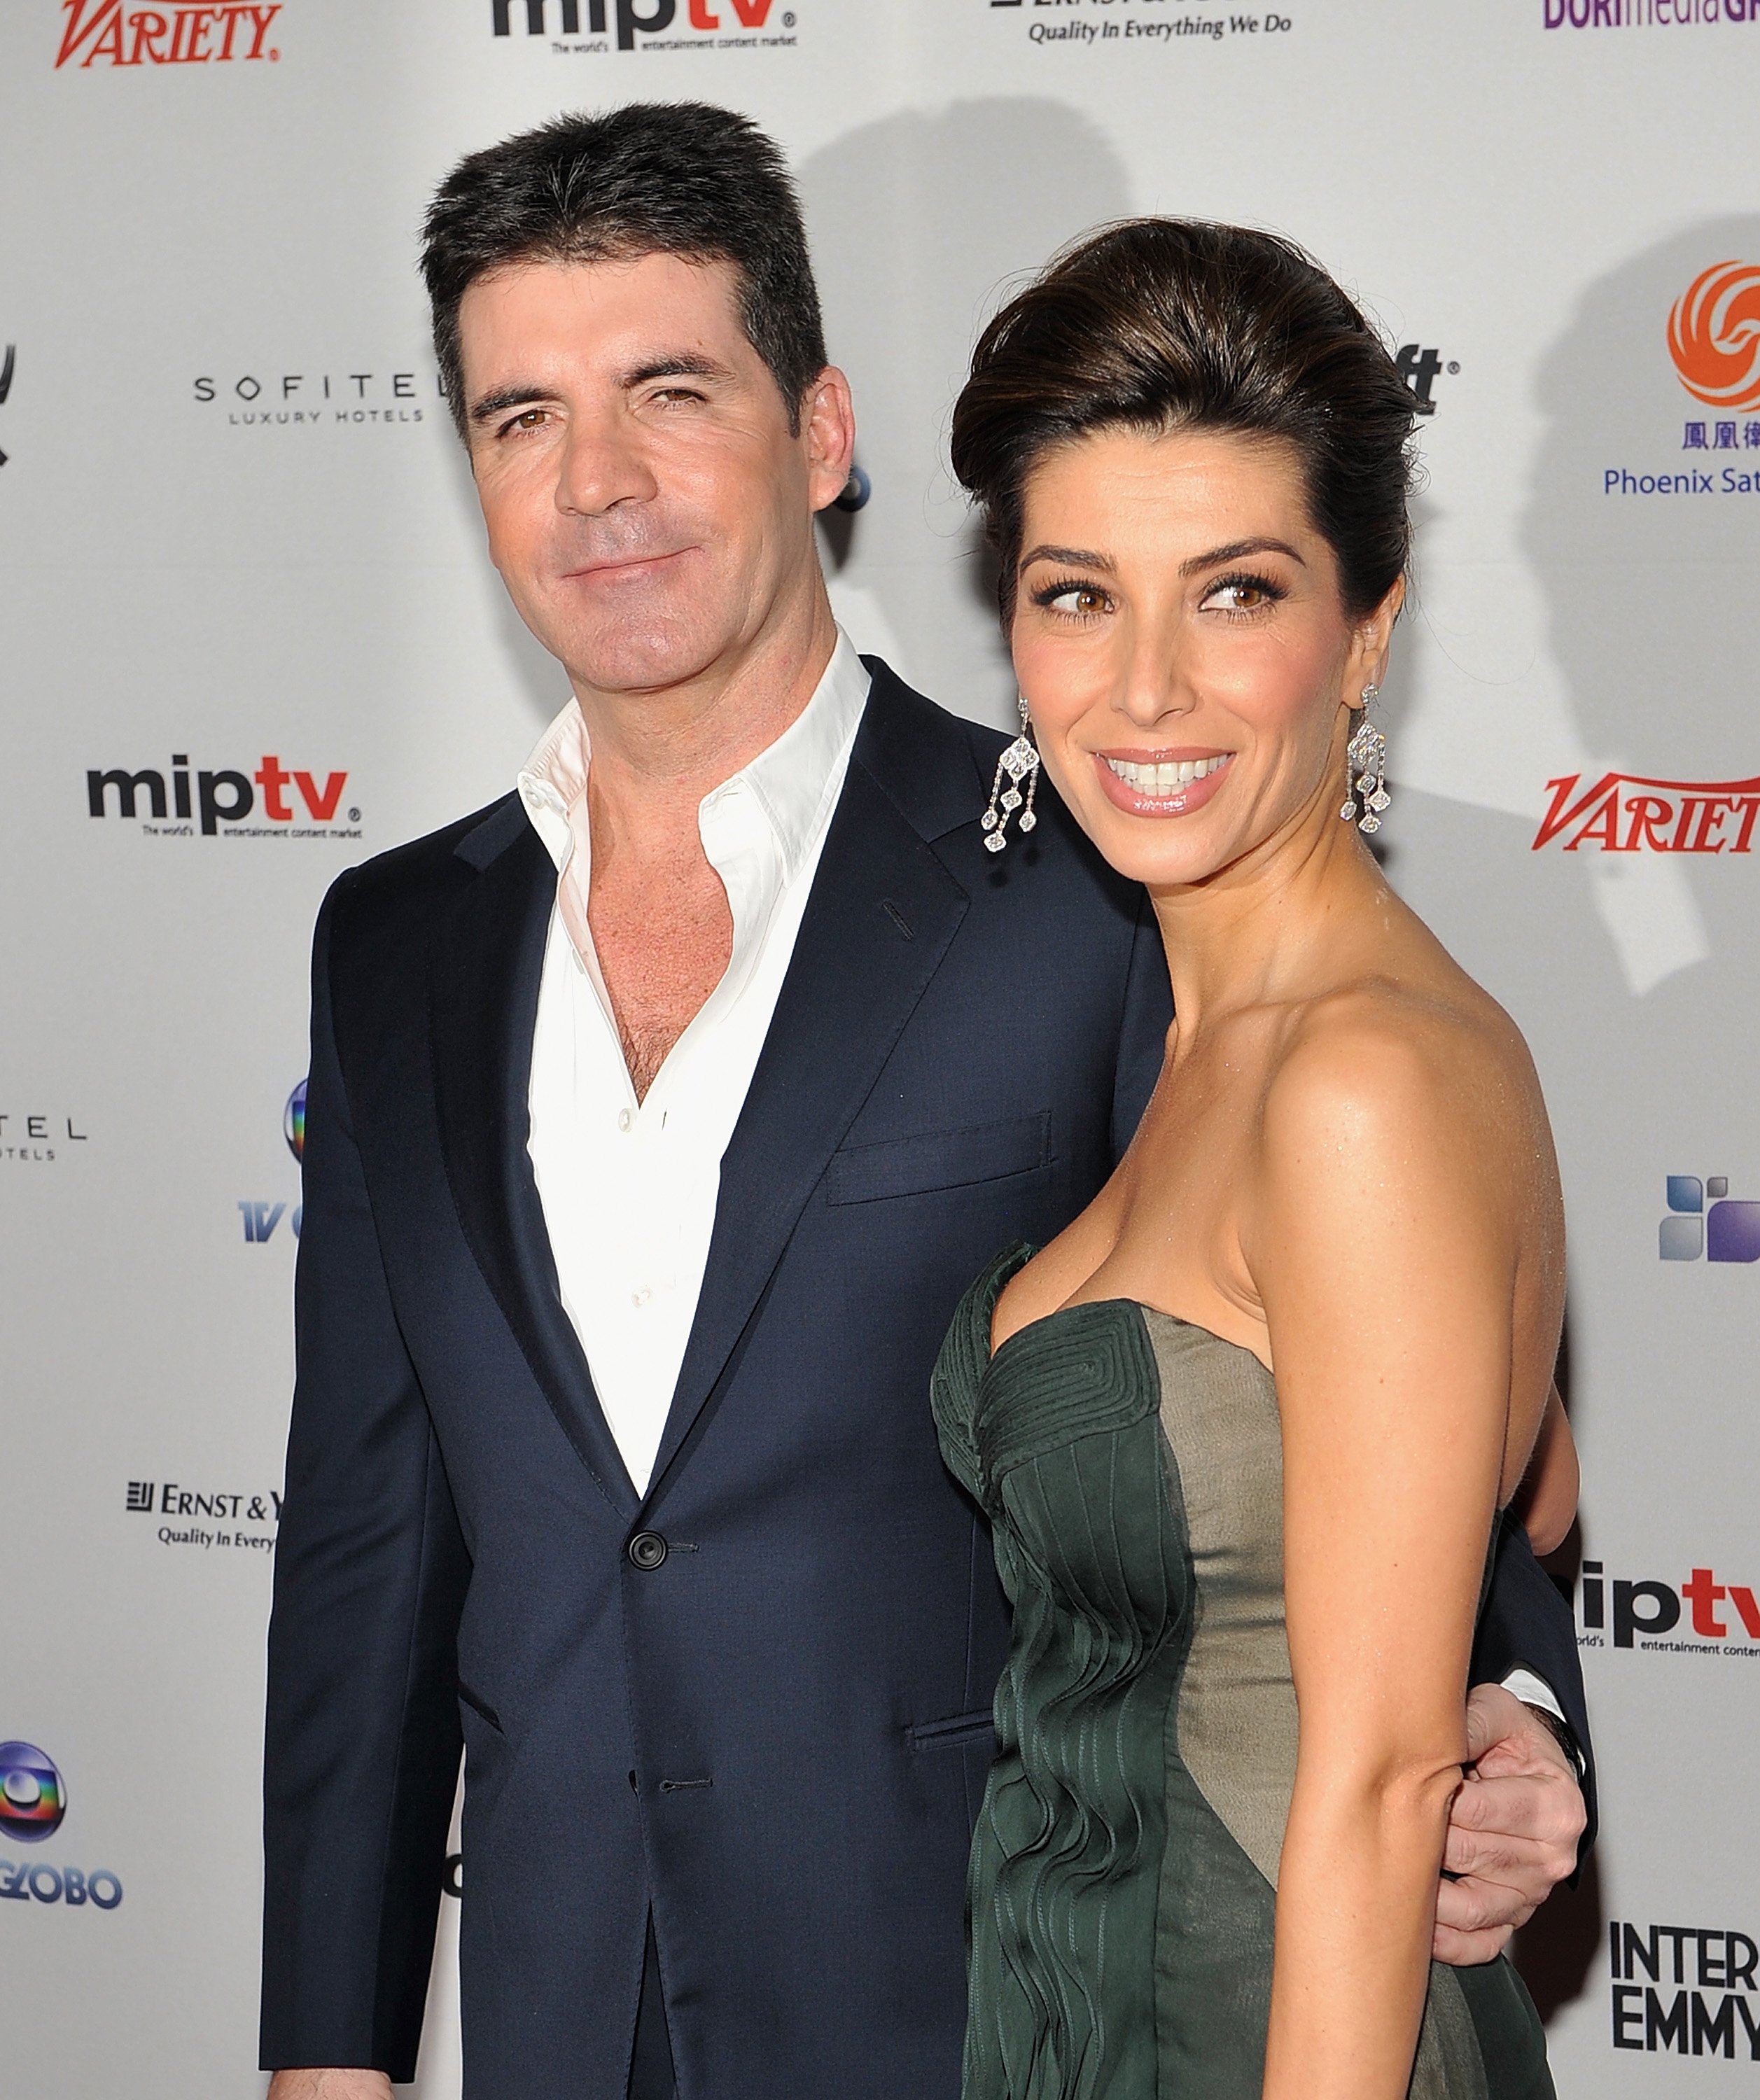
{"x": 1604, "y": 825}
{"x": 1702, "y": 1593}
{"x": 81, "y": 26}
{"x": 701, "y": 16}
{"x": 1689, "y": 804}
{"x": 1711, "y": 814}
{"x": 1647, "y": 811}
{"x": 1750, "y": 806}
{"x": 754, "y": 14}
{"x": 271, "y": 779}
{"x": 262, "y": 17}
{"x": 1743, "y": 1599}
{"x": 1558, "y": 815}
{"x": 147, "y": 27}
{"x": 230, "y": 17}
{"x": 195, "y": 51}
{"x": 323, "y": 807}
{"x": 109, "y": 42}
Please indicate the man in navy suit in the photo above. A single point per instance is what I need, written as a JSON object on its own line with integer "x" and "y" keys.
{"x": 658, "y": 1114}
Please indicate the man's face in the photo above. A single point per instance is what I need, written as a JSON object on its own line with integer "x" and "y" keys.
{"x": 647, "y": 505}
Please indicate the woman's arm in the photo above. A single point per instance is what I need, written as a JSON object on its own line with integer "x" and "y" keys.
{"x": 1545, "y": 1502}
{"x": 1382, "y": 1241}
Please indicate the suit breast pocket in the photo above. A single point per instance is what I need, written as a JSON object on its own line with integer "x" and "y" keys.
{"x": 940, "y": 1159}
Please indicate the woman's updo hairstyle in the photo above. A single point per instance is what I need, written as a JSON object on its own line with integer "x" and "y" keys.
{"x": 1156, "y": 325}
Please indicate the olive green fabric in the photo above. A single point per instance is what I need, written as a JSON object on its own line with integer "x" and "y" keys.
{"x": 1122, "y": 1888}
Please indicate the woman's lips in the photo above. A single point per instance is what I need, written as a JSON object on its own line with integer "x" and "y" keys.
{"x": 1160, "y": 784}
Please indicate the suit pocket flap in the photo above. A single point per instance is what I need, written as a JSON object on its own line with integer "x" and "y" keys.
{"x": 939, "y": 1159}
{"x": 953, "y": 1733}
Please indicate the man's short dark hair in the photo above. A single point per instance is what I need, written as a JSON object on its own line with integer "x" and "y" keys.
{"x": 653, "y": 179}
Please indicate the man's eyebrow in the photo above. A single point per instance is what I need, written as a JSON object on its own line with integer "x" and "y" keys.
{"x": 673, "y": 364}
{"x": 1237, "y": 550}
{"x": 504, "y": 398}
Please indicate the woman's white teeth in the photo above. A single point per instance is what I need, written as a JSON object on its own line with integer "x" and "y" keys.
{"x": 1163, "y": 778}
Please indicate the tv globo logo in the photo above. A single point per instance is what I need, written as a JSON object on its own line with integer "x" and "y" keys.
{"x": 32, "y": 1809}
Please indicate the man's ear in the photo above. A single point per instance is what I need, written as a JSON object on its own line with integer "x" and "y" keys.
{"x": 828, "y": 430}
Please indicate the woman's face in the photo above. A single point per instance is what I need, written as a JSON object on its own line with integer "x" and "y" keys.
{"x": 1181, "y": 641}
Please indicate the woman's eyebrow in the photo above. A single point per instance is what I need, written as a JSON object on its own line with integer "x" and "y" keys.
{"x": 1237, "y": 550}
{"x": 1070, "y": 558}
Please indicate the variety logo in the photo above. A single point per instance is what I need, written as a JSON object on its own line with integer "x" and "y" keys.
{"x": 1715, "y": 336}
{"x": 1655, "y": 816}
{"x": 224, "y": 797}
{"x": 1726, "y": 1229}
{"x": 1648, "y": 1614}
{"x": 32, "y": 1808}
{"x": 34, "y": 1137}
{"x": 6, "y": 379}
{"x": 1684, "y": 1990}
{"x": 737, "y": 21}
{"x": 178, "y": 35}
{"x": 304, "y": 401}
{"x": 194, "y": 1505}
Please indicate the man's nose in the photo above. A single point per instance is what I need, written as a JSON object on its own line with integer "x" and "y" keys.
{"x": 603, "y": 463}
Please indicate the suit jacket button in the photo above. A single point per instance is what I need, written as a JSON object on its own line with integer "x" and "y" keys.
{"x": 647, "y": 1550}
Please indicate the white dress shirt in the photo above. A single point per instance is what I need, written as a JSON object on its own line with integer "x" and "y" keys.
{"x": 629, "y": 1188}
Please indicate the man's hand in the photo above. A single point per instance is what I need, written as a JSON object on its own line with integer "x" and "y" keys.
{"x": 329, "y": 2085}
{"x": 1513, "y": 1830}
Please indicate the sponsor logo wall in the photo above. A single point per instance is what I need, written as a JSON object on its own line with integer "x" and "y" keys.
{"x": 243, "y": 601}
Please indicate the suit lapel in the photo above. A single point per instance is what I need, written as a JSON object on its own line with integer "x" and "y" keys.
{"x": 484, "y": 975}
{"x": 883, "y": 913}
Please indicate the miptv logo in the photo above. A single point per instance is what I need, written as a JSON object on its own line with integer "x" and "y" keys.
{"x": 1715, "y": 336}
{"x": 178, "y": 35}
{"x": 647, "y": 18}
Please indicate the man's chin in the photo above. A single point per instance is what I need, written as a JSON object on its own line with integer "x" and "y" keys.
{"x": 642, "y": 662}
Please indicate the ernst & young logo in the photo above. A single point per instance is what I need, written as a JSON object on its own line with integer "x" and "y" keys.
{"x": 222, "y": 799}
{"x": 1630, "y": 813}
{"x": 33, "y": 1808}
{"x": 1684, "y": 1990}
{"x": 195, "y": 1508}
{"x": 694, "y": 25}
{"x": 212, "y": 35}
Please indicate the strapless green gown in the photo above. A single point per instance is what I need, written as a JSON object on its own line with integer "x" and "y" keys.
{"x": 1124, "y": 1869}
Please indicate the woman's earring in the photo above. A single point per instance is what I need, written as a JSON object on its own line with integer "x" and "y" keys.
{"x": 1020, "y": 762}
{"x": 1367, "y": 759}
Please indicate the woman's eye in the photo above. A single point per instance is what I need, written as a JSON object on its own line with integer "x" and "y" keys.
{"x": 1078, "y": 600}
{"x": 1240, "y": 594}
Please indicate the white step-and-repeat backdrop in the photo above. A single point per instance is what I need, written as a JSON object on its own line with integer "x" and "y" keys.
{"x": 249, "y": 636}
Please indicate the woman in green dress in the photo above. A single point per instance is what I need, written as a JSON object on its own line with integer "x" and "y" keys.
{"x": 1246, "y": 1430}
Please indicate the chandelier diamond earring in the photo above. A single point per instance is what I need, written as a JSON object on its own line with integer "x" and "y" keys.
{"x": 1367, "y": 759}
{"x": 1019, "y": 762}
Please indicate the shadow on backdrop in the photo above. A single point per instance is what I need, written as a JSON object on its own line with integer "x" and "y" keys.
{"x": 919, "y": 224}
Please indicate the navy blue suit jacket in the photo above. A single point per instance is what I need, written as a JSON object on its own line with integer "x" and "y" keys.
{"x": 773, "y": 1741}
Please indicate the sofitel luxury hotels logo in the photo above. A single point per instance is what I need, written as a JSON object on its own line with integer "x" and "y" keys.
{"x": 302, "y": 400}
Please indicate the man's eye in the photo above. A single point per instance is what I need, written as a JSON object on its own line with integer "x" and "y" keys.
{"x": 528, "y": 419}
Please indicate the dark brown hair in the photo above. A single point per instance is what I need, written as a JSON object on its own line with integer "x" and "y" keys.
{"x": 666, "y": 177}
{"x": 1158, "y": 324}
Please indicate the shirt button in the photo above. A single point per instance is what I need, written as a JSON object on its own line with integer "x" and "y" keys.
{"x": 624, "y": 1119}
{"x": 647, "y": 1550}
{"x": 639, "y": 1298}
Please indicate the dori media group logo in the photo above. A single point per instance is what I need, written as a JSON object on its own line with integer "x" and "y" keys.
{"x": 1646, "y": 14}
{"x": 126, "y": 36}
{"x": 224, "y": 797}
{"x": 1705, "y": 1222}
{"x": 33, "y": 1808}
{"x": 696, "y": 24}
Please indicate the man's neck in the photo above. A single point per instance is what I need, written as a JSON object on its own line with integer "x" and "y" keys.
{"x": 659, "y": 752}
